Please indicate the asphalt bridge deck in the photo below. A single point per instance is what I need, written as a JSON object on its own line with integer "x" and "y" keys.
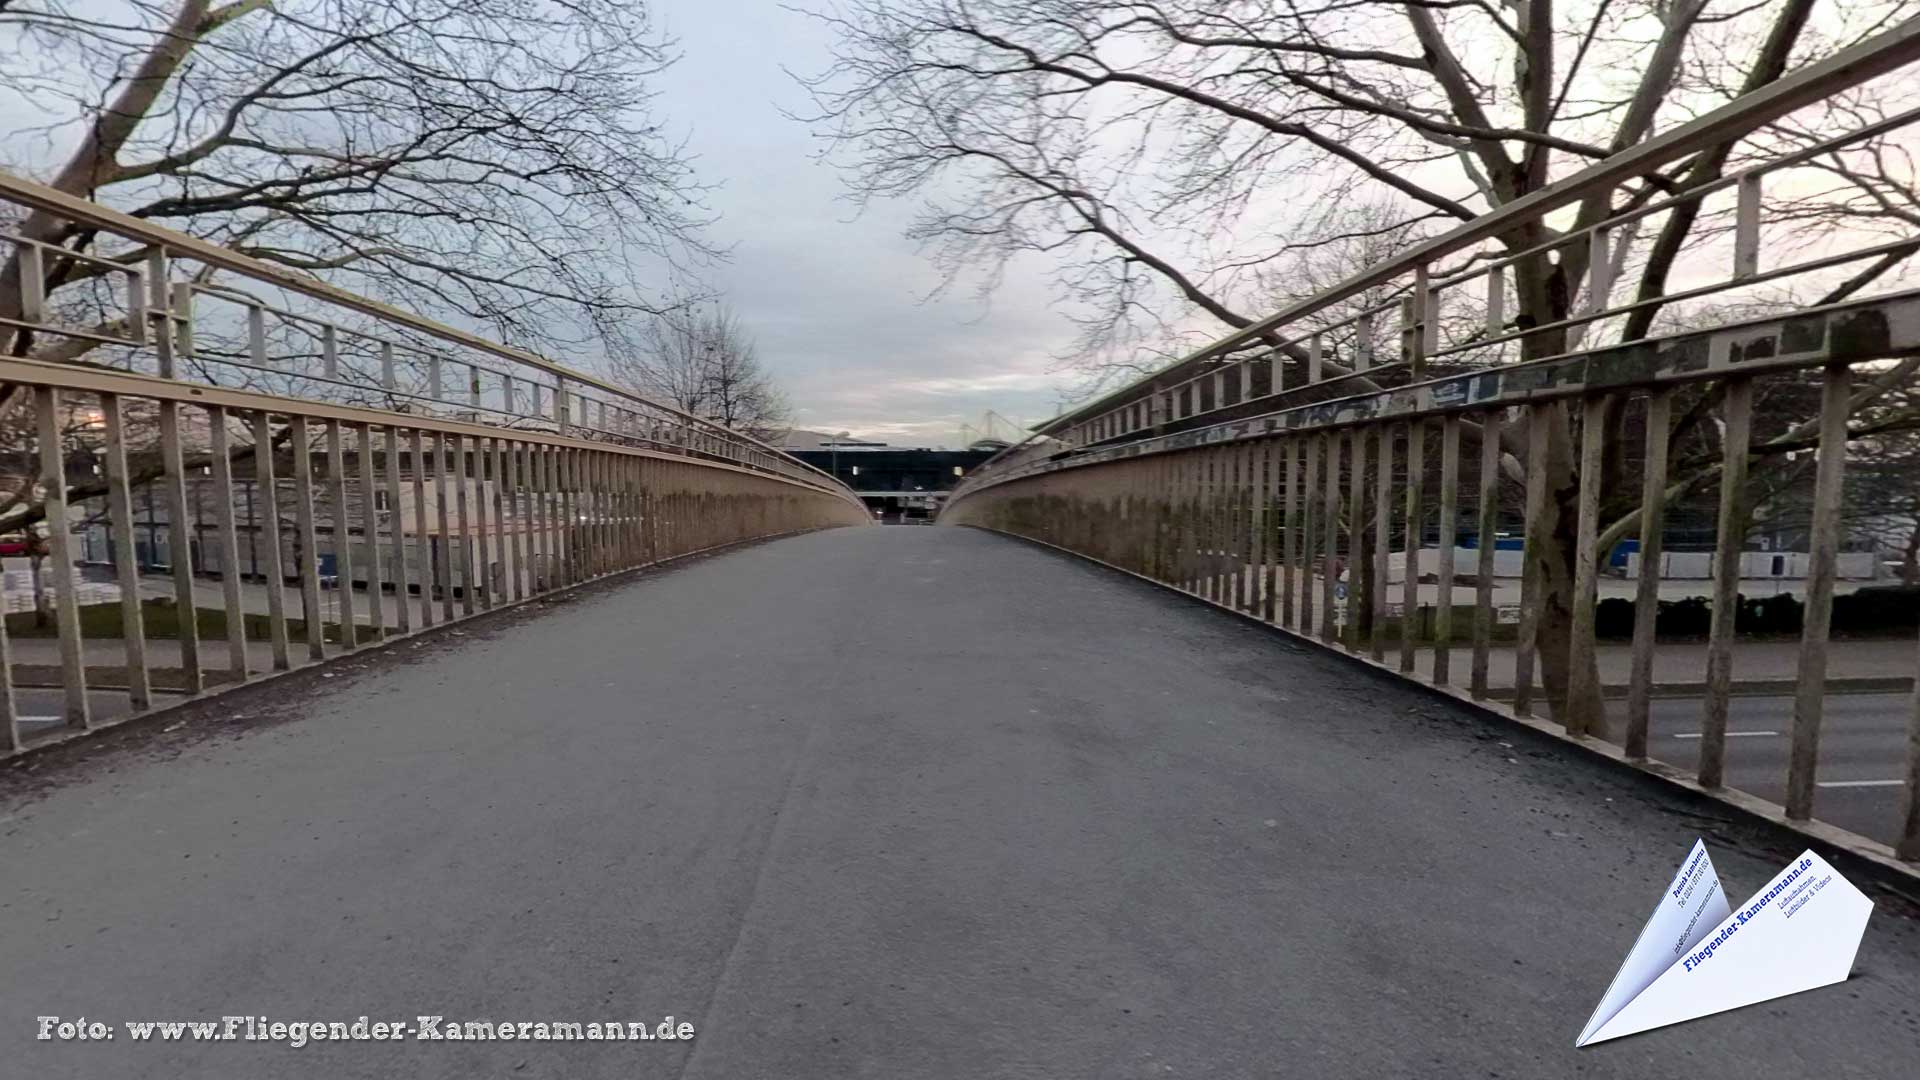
{"x": 877, "y": 802}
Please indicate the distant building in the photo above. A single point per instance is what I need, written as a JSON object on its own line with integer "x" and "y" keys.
{"x": 900, "y": 484}
{"x": 397, "y": 523}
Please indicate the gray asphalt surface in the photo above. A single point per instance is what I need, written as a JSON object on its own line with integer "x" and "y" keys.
{"x": 881, "y": 802}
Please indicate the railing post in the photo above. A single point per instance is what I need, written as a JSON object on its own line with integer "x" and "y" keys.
{"x": 509, "y": 519}
{"x": 1599, "y": 269}
{"x": 1531, "y": 582}
{"x": 462, "y": 454}
{"x": 137, "y": 306}
{"x": 396, "y": 514}
{"x": 1209, "y": 563}
{"x": 1907, "y": 846}
{"x": 1357, "y": 439}
{"x": 1811, "y": 686}
{"x": 1309, "y": 532}
{"x": 422, "y": 527}
{"x": 1646, "y": 599}
{"x": 1266, "y": 578}
{"x": 180, "y": 330}
{"x": 1409, "y": 331}
{"x": 9, "y": 706}
{"x": 535, "y": 537}
{"x": 126, "y": 557}
{"x": 158, "y": 302}
{"x": 33, "y": 281}
{"x": 256, "y": 335}
{"x": 307, "y": 561}
{"x": 1496, "y": 301}
{"x": 342, "y": 534}
{"x": 443, "y": 573}
{"x": 1426, "y": 336}
{"x": 220, "y": 450}
{"x": 1583, "y": 714}
{"x": 174, "y": 485}
{"x": 267, "y": 484}
{"x": 1410, "y": 572}
{"x": 1330, "y": 541}
{"x": 1488, "y": 508}
{"x": 53, "y": 481}
{"x": 329, "y": 352}
{"x": 1746, "y": 227}
{"x": 1382, "y": 540}
{"x": 1738, "y": 418}
{"x": 1290, "y": 514}
{"x": 1449, "y": 540}
{"x": 370, "y": 533}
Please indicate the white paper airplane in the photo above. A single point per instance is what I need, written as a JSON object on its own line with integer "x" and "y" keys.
{"x": 1696, "y": 956}
{"x": 1691, "y": 908}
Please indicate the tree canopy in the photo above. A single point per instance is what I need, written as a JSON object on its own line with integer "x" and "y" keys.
{"x": 491, "y": 162}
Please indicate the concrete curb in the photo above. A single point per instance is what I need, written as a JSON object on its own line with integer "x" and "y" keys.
{"x": 1853, "y": 851}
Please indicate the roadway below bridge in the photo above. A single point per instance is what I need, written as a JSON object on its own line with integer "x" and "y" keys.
{"x": 875, "y": 802}
{"x": 1863, "y": 748}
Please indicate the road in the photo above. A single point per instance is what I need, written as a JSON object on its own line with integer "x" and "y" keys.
{"x": 1863, "y": 743}
{"x": 877, "y": 802}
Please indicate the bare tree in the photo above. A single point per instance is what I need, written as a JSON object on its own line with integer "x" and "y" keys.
{"x": 704, "y": 362}
{"x": 1162, "y": 152}
{"x": 1883, "y": 500}
{"x": 492, "y": 162}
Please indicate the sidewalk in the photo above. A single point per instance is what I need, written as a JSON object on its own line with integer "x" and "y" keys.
{"x": 1686, "y": 662}
{"x": 161, "y": 652}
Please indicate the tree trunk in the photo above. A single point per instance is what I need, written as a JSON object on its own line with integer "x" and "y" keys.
{"x": 1545, "y": 296}
{"x": 1553, "y": 552}
{"x": 95, "y": 162}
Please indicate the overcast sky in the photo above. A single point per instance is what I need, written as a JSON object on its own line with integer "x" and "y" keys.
{"x": 835, "y": 298}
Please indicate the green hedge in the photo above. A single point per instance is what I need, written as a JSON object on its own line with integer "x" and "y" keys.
{"x": 1872, "y": 611}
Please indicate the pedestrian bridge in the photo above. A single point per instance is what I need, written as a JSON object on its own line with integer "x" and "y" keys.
{"x": 1325, "y": 703}
{"x": 1008, "y": 814}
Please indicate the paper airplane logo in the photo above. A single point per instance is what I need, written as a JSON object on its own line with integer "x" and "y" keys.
{"x": 1696, "y": 956}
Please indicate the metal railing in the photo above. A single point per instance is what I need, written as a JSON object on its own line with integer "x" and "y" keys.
{"x": 321, "y": 471}
{"x": 334, "y": 345}
{"x": 1339, "y": 505}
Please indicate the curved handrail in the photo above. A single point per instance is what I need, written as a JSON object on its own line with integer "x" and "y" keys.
{"x": 40, "y": 197}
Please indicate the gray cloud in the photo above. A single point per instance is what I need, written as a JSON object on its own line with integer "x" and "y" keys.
{"x": 836, "y": 299}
